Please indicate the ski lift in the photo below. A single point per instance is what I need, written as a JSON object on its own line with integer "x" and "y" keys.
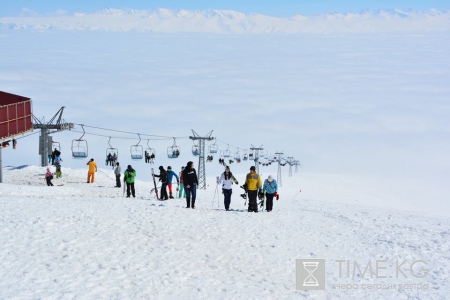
{"x": 227, "y": 153}
{"x": 80, "y": 147}
{"x": 56, "y": 145}
{"x": 150, "y": 153}
{"x": 245, "y": 155}
{"x": 195, "y": 150}
{"x": 237, "y": 157}
{"x": 173, "y": 151}
{"x": 112, "y": 154}
{"x": 137, "y": 150}
{"x": 213, "y": 148}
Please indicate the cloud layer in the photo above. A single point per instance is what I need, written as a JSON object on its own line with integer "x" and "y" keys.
{"x": 227, "y": 21}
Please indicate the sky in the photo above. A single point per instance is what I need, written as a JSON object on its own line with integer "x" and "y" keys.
{"x": 354, "y": 104}
{"x": 283, "y": 8}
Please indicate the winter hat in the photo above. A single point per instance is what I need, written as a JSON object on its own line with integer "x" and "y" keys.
{"x": 270, "y": 178}
{"x": 182, "y": 168}
{"x": 252, "y": 168}
{"x": 169, "y": 168}
{"x": 129, "y": 167}
{"x": 48, "y": 169}
{"x": 92, "y": 159}
{"x": 161, "y": 168}
{"x": 227, "y": 168}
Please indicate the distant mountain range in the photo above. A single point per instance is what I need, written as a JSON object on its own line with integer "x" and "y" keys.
{"x": 227, "y": 21}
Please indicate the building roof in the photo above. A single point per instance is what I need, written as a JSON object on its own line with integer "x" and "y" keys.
{"x": 7, "y": 98}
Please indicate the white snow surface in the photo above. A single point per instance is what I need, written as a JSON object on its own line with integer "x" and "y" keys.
{"x": 86, "y": 241}
{"x": 228, "y": 21}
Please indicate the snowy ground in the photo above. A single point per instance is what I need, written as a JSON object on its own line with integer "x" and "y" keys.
{"x": 86, "y": 241}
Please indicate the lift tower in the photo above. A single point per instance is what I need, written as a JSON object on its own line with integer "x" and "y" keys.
{"x": 201, "y": 157}
{"x": 45, "y": 128}
{"x": 256, "y": 158}
{"x": 279, "y": 155}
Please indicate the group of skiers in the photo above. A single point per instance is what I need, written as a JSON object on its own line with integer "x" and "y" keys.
{"x": 253, "y": 188}
{"x": 187, "y": 182}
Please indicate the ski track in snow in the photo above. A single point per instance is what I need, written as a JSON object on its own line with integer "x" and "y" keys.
{"x": 86, "y": 241}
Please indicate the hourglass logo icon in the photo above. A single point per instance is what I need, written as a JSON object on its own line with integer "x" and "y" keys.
{"x": 310, "y": 274}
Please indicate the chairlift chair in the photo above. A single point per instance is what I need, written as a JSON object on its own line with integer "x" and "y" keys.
{"x": 113, "y": 151}
{"x": 56, "y": 145}
{"x": 80, "y": 147}
{"x": 137, "y": 151}
{"x": 151, "y": 153}
{"x": 195, "y": 150}
{"x": 173, "y": 151}
{"x": 213, "y": 148}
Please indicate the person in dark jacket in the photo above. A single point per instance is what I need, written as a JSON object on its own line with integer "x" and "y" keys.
{"x": 163, "y": 178}
{"x": 190, "y": 181}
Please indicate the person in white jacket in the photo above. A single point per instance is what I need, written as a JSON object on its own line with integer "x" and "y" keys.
{"x": 227, "y": 186}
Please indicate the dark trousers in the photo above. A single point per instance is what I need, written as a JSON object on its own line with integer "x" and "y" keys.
{"x": 191, "y": 192}
{"x": 269, "y": 202}
{"x": 164, "y": 195}
{"x": 227, "y": 197}
{"x": 130, "y": 186}
{"x": 118, "y": 180}
{"x": 49, "y": 182}
{"x": 252, "y": 204}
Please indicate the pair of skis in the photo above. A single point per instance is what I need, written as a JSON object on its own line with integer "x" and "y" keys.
{"x": 154, "y": 182}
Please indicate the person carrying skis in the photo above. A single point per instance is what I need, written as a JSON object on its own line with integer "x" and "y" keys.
{"x": 254, "y": 183}
{"x": 49, "y": 177}
{"x": 128, "y": 178}
{"x": 170, "y": 175}
{"x": 182, "y": 191}
{"x": 118, "y": 172}
{"x": 163, "y": 178}
{"x": 91, "y": 172}
{"x": 190, "y": 181}
{"x": 270, "y": 188}
{"x": 227, "y": 186}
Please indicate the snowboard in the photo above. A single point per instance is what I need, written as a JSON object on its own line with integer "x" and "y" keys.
{"x": 154, "y": 182}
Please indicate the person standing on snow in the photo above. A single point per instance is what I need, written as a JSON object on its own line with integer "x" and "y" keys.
{"x": 163, "y": 178}
{"x": 227, "y": 186}
{"x": 170, "y": 175}
{"x": 49, "y": 177}
{"x": 58, "y": 161}
{"x": 128, "y": 178}
{"x": 253, "y": 182}
{"x": 91, "y": 172}
{"x": 182, "y": 191}
{"x": 190, "y": 181}
{"x": 270, "y": 188}
{"x": 118, "y": 172}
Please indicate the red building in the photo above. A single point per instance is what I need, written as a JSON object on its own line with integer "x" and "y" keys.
{"x": 16, "y": 116}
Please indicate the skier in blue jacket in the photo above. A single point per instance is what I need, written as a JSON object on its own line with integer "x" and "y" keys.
{"x": 270, "y": 188}
{"x": 170, "y": 174}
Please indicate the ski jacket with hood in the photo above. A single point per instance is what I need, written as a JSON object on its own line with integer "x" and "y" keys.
{"x": 227, "y": 180}
{"x": 270, "y": 187}
{"x": 253, "y": 182}
{"x": 190, "y": 177}
{"x": 129, "y": 176}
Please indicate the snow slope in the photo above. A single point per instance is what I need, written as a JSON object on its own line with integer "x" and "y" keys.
{"x": 86, "y": 241}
